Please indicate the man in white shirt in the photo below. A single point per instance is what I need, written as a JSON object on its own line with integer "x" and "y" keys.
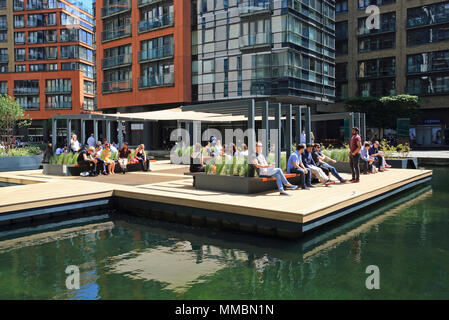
{"x": 75, "y": 144}
{"x": 91, "y": 141}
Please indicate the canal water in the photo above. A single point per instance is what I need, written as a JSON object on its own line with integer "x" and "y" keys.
{"x": 406, "y": 238}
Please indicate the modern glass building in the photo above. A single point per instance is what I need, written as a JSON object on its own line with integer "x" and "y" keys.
{"x": 280, "y": 49}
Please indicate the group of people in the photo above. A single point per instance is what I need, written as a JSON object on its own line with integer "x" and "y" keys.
{"x": 306, "y": 161}
{"x": 214, "y": 150}
{"x": 97, "y": 157}
{"x": 369, "y": 156}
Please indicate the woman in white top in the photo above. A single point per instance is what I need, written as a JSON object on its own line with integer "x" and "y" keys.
{"x": 75, "y": 144}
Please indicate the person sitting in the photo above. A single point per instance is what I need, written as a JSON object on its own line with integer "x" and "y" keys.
{"x": 263, "y": 169}
{"x": 106, "y": 157}
{"x": 141, "y": 157}
{"x": 85, "y": 158}
{"x": 365, "y": 159}
{"x": 295, "y": 165}
{"x": 316, "y": 172}
{"x": 320, "y": 159}
{"x": 59, "y": 150}
{"x": 244, "y": 152}
{"x": 196, "y": 160}
{"x": 101, "y": 166}
{"x": 123, "y": 155}
{"x": 379, "y": 156}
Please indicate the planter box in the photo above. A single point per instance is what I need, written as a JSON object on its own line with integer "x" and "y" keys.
{"x": 72, "y": 170}
{"x": 235, "y": 184}
{"x": 405, "y": 163}
{"x": 20, "y": 163}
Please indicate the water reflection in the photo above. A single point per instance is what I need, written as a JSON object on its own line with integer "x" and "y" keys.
{"x": 133, "y": 258}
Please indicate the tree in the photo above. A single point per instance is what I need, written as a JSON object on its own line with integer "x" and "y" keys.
{"x": 383, "y": 112}
{"x": 11, "y": 115}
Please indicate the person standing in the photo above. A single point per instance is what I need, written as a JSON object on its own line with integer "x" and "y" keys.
{"x": 91, "y": 141}
{"x": 75, "y": 145}
{"x": 355, "y": 146}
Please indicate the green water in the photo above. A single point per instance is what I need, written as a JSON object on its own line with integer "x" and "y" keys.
{"x": 407, "y": 238}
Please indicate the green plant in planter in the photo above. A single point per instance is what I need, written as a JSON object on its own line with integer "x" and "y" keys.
{"x": 403, "y": 150}
{"x": 60, "y": 158}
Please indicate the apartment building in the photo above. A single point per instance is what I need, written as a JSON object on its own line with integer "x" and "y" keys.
{"x": 47, "y": 60}
{"x": 283, "y": 50}
{"x": 409, "y": 53}
{"x": 143, "y": 54}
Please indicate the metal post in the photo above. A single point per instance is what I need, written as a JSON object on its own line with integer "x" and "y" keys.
{"x": 69, "y": 131}
{"x": 298, "y": 122}
{"x": 352, "y": 124}
{"x": 266, "y": 128}
{"x": 96, "y": 130}
{"x": 108, "y": 130}
{"x": 251, "y": 127}
{"x": 357, "y": 120}
{"x": 288, "y": 131}
{"x": 119, "y": 133}
{"x": 363, "y": 126}
{"x": 197, "y": 132}
{"x": 83, "y": 131}
{"x": 278, "y": 126}
{"x": 308, "y": 125}
{"x": 54, "y": 132}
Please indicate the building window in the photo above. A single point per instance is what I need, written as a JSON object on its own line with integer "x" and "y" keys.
{"x": 341, "y": 6}
{"x": 379, "y": 42}
{"x": 377, "y": 68}
{"x": 20, "y": 68}
{"x": 19, "y": 54}
{"x": 19, "y": 21}
{"x": 19, "y": 37}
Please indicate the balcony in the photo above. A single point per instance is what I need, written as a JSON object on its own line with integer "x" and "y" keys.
{"x": 3, "y": 25}
{"x": 155, "y": 81}
{"x": 42, "y": 5}
{"x": 116, "y": 61}
{"x": 141, "y": 3}
{"x": 4, "y": 58}
{"x": 116, "y": 86}
{"x": 115, "y": 8}
{"x": 155, "y": 54}
{"x": 155, "y": 23}
{"x": 384, "y": 28}
{"x": 58, "y": 89}
{"x": 255, "y": 40}
{"x": 66, "y": 105}
{"x": 377, "y": 73}
{"x": 30, "y": 106}
{"x": 18, "y": 6}
{"x": 109, "y": 35}
{"x": 254, "y": 7}
{"x": 4, "y": 90}
{"x": 25, "y": 91}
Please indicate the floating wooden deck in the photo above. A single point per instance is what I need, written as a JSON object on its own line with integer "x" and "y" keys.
{"x": 167, "y": 194}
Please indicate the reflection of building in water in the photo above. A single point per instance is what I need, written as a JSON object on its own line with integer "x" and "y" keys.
{"x": 176, "y": 266}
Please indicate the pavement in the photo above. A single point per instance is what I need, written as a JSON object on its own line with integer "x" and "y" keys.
{"x": 443, "y": 154}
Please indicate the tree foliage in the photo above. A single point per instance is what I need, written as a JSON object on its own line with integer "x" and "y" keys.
{"x": 11, "y": 115}
{"x": 384, "y": 112}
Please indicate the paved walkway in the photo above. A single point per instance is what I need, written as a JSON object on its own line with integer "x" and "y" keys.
{"x": 444, "y": 154}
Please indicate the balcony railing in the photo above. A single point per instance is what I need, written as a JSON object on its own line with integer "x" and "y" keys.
{"x": 108, "y": 35}
{"x": 3, "y": 90}
{"x": 156, "y": 53}
{"x": 57, "y": 90}
{"x": 3, "y": 26}
{"x": 58, "y": 105}
{"x": 4, "y": 58}
{"x": 116, "y": 86}
{"x": 116, "y": 61}
{"x": 363, "y": 31}
{"x": 158, "y": 22}
{"x": 146, "y": 2}
{"x": 254, "y": 7}
{"x": 257, "y": 39}
{"x": 118, "y": 7}
{"x": 42, "y": 5}
{"x": 157, "y": 81}
{"x": 25, "y": 91}
{"x": 30, "y": 106}
{"x": 384, "y": 72}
